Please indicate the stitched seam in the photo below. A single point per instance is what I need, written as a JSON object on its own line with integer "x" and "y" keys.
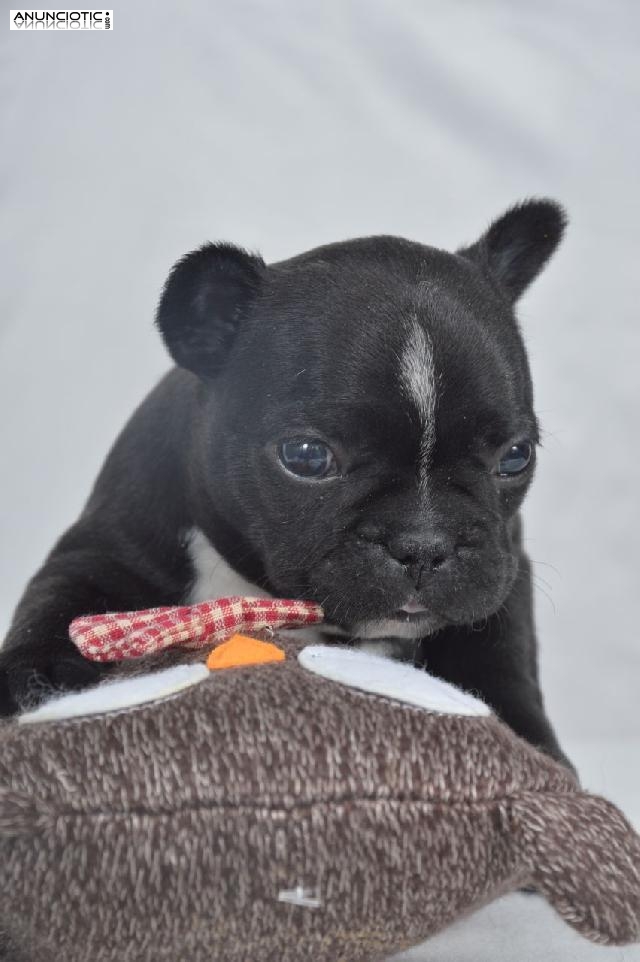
{"x": 360, "y": 801}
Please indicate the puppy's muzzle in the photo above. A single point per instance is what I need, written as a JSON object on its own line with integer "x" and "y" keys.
{"x": 426, "y": 550}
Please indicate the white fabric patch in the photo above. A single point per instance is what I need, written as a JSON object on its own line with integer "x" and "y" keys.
{"x": 379, "y": 676}
{"x": 119, "y": 694}
{"x": 306, "y": 898}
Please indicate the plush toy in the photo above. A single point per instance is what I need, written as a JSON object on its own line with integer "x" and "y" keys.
{"x": 328, "y": 806}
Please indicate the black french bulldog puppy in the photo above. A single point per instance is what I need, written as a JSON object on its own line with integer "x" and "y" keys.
{"x": 353, "y": 426}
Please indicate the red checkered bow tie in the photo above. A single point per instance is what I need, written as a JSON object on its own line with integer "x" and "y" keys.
{"x": 132, "y": 634}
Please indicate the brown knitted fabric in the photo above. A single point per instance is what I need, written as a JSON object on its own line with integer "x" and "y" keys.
{"x": 179, "y": 832}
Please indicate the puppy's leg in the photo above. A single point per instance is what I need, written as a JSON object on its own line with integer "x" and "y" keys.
{"x": 498, "y": 660}
{"x": 85, "y": 574}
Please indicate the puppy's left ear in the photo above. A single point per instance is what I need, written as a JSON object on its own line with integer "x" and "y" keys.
{"x": 517, "y": 245}
{"x": 207, "y": 296}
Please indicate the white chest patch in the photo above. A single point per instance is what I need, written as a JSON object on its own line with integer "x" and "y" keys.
{"x": 379, "y": 676}
{"x": 418, "y": 383}
{"x": 213, "y": 576}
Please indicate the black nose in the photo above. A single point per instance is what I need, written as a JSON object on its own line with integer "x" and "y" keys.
{"x": 425, "y": 549}
{"x": 429, "y": 552}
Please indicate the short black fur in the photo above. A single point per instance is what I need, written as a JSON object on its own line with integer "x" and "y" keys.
{"x": 417, "y": 517}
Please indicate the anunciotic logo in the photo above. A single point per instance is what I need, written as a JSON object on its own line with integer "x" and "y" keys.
{"x": 61, "y": 19}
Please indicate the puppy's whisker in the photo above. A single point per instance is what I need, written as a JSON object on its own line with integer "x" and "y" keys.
{"x": 546, "y": 594}
{"x": 546, "y": 564}
{"x": 540, "y": 580}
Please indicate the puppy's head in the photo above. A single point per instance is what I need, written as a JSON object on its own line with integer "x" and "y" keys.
{"x": 366, "y": 431}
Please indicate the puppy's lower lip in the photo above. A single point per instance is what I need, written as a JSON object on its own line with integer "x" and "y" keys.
{"x": 411, "y": 612}
{"x": 412, "y": 608}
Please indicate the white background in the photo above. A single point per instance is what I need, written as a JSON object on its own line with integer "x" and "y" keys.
{"x": 284, "y": 124}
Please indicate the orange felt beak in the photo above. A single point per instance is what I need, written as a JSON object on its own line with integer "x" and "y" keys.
{"x": 243, "y": 650}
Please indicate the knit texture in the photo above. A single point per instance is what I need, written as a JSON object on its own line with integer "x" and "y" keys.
{"x": 273, "y": 815}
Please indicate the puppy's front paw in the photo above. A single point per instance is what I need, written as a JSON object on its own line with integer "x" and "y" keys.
{"x": 25, "y": 684}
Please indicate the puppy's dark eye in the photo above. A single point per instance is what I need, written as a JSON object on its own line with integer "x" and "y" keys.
{"x": 308, "y": 458}
{"x": 516, "y": 459}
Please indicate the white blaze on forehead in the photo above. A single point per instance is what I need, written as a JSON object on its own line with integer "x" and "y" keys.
{"x": 418, "y": 381}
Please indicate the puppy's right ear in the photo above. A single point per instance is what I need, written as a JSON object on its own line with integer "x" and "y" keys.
{"x": 207, "y": 295}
